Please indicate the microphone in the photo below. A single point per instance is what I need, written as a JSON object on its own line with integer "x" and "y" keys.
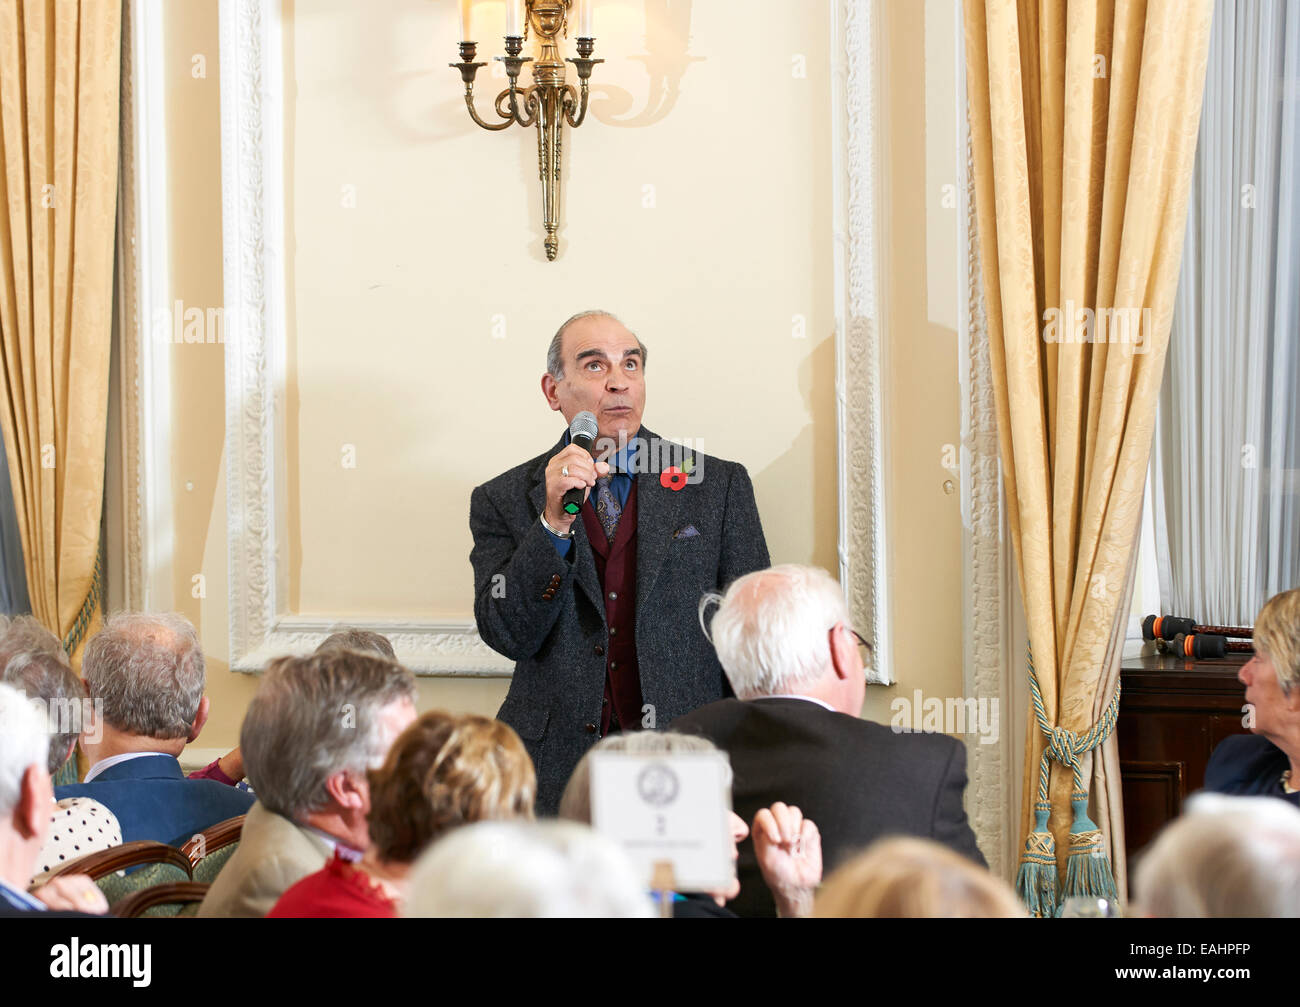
{"x": 582, "y": 432}
{"x": 1200, "y": 645}
{"x": 1165, "y": 627}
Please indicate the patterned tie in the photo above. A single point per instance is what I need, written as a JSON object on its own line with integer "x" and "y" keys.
{"x": 608, "y": 509}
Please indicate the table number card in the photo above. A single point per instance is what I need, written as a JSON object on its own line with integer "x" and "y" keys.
{"x": 667, "y": 808}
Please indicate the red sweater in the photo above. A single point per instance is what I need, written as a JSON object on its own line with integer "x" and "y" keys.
{"x": 340, "y": 890}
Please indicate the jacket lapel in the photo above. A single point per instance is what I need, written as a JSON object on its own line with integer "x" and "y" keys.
{"x": 583, "y": 562}
{"x": 658, "y": 510}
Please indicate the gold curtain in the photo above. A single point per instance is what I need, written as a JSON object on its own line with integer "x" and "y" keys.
{"x": 60, "y": 67}
{"x": 1083, "y": 120}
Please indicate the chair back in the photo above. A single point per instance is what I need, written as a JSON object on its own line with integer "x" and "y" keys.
{"x": 168, "y": 900}
{"x": 156, "y": 863}
{"x": 207, "y": 869}
{"x": 102, "y": 863}
{"x": 213, "y": 838}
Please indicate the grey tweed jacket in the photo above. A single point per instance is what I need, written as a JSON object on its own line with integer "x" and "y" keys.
{"x": 547, "y": 613}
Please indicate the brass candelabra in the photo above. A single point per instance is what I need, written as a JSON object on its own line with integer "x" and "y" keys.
{"x": 547, "y": 104}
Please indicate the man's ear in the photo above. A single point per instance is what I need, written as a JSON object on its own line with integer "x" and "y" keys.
{"x": 200, "y": 719}
{"x": 550, "y": 388}
{"x": 843, "y": 649}
{"x": 347, "y": 790}
{"x": 35, "y": 800}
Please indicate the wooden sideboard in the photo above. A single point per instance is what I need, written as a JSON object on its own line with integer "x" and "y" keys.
{"x": 1172, "y": 712}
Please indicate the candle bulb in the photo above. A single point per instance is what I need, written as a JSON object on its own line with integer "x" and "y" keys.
{"x": 512, "y": 18}
{"x": 465, "y": 34}
{"x": 584, "y": 18}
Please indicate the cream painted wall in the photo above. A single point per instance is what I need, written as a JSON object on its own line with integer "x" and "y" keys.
{"x": 393, "y": 301}
{"x": 421, "y": 302}
{"x": 918, "y": 85}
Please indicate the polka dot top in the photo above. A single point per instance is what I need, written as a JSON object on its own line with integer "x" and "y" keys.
{"x": 79, "y": 825}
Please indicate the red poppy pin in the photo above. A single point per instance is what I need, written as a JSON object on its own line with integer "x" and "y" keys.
{"x": 674, "y": 478}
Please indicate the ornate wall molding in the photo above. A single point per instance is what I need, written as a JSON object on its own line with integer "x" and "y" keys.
{"x": 142, "y": 548}
{"x": 252, "y": 185}
{"x": 253, "y": 222}
{"x": 993, "y": 792}
{"x": 859, "y": 345}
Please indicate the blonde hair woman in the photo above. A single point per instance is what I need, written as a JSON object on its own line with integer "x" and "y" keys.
{"x": 1267, "y": 761}
{"x": 917, "y": 879}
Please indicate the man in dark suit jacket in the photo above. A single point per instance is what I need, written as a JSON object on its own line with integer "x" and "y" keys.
{"x": 599, "y": 609}
{"x": 794, "y": 734}
{"x": 145, "y": 675}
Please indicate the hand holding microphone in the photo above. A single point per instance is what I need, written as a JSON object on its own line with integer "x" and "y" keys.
{"x": 571, "y": 474}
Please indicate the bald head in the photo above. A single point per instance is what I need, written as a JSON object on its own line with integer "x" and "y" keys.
{"x": 555, "y": 352}
{"x": 148, "y": 670}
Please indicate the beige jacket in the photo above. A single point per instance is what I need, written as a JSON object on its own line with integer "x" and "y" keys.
{"x": 274, "y": 853}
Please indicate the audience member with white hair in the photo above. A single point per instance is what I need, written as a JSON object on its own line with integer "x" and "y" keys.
{"x": 144, "y": 674}
{"x": 787, "y": 845}
{"x": 794, "y": 734}
{"x": 25, "y": 814}
{"x": 1225, "y": 857}
{"x": 313, "y": 730}
{"x": 541, "y": 870}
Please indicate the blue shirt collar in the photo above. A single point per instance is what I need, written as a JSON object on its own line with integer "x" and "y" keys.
{"x": 20, "y": 899}
{"x": 621, "y": 462}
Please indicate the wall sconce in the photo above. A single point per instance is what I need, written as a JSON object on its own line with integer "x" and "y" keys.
{"x": 549, "y": 102}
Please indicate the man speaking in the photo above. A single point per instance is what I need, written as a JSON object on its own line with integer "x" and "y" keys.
{"x": 597, "y": 603}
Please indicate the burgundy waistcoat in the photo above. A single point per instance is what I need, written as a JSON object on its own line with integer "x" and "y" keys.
{"x": 616, "y": 568}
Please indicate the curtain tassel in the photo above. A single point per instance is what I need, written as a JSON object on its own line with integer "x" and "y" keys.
{"x": 1087, "y": 869}
{"x": 1036, "y": 882}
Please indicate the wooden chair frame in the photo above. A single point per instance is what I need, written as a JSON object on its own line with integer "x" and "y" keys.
{"x": 133, "y": 854}
{"x": 136, "y": 903}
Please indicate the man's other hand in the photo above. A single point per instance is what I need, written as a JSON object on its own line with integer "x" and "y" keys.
{"x": 789, "y": 851}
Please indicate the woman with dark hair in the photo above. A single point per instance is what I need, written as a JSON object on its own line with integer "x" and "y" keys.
{"x": 442, "y": 772}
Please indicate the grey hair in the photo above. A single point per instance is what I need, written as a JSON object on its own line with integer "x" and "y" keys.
{"x": 43, "y": 676}
{"x": 535, "y": 870}
{"x": 1225, "y": 857}
{"x": 24, "y": 634}
{"x": 364, "y": 640}
{"x": 771, "y": 628}
{"x": 147, "y": 669}
{"x": 32, "y": 659}
{"x": 23, "y": 744}
{"x": 555, "y": 353}
{"x": 313, "y": 717}
{"x": 575, "y": 804}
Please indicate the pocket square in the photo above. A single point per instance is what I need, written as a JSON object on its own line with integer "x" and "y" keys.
{"x": 689, "y": 531}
